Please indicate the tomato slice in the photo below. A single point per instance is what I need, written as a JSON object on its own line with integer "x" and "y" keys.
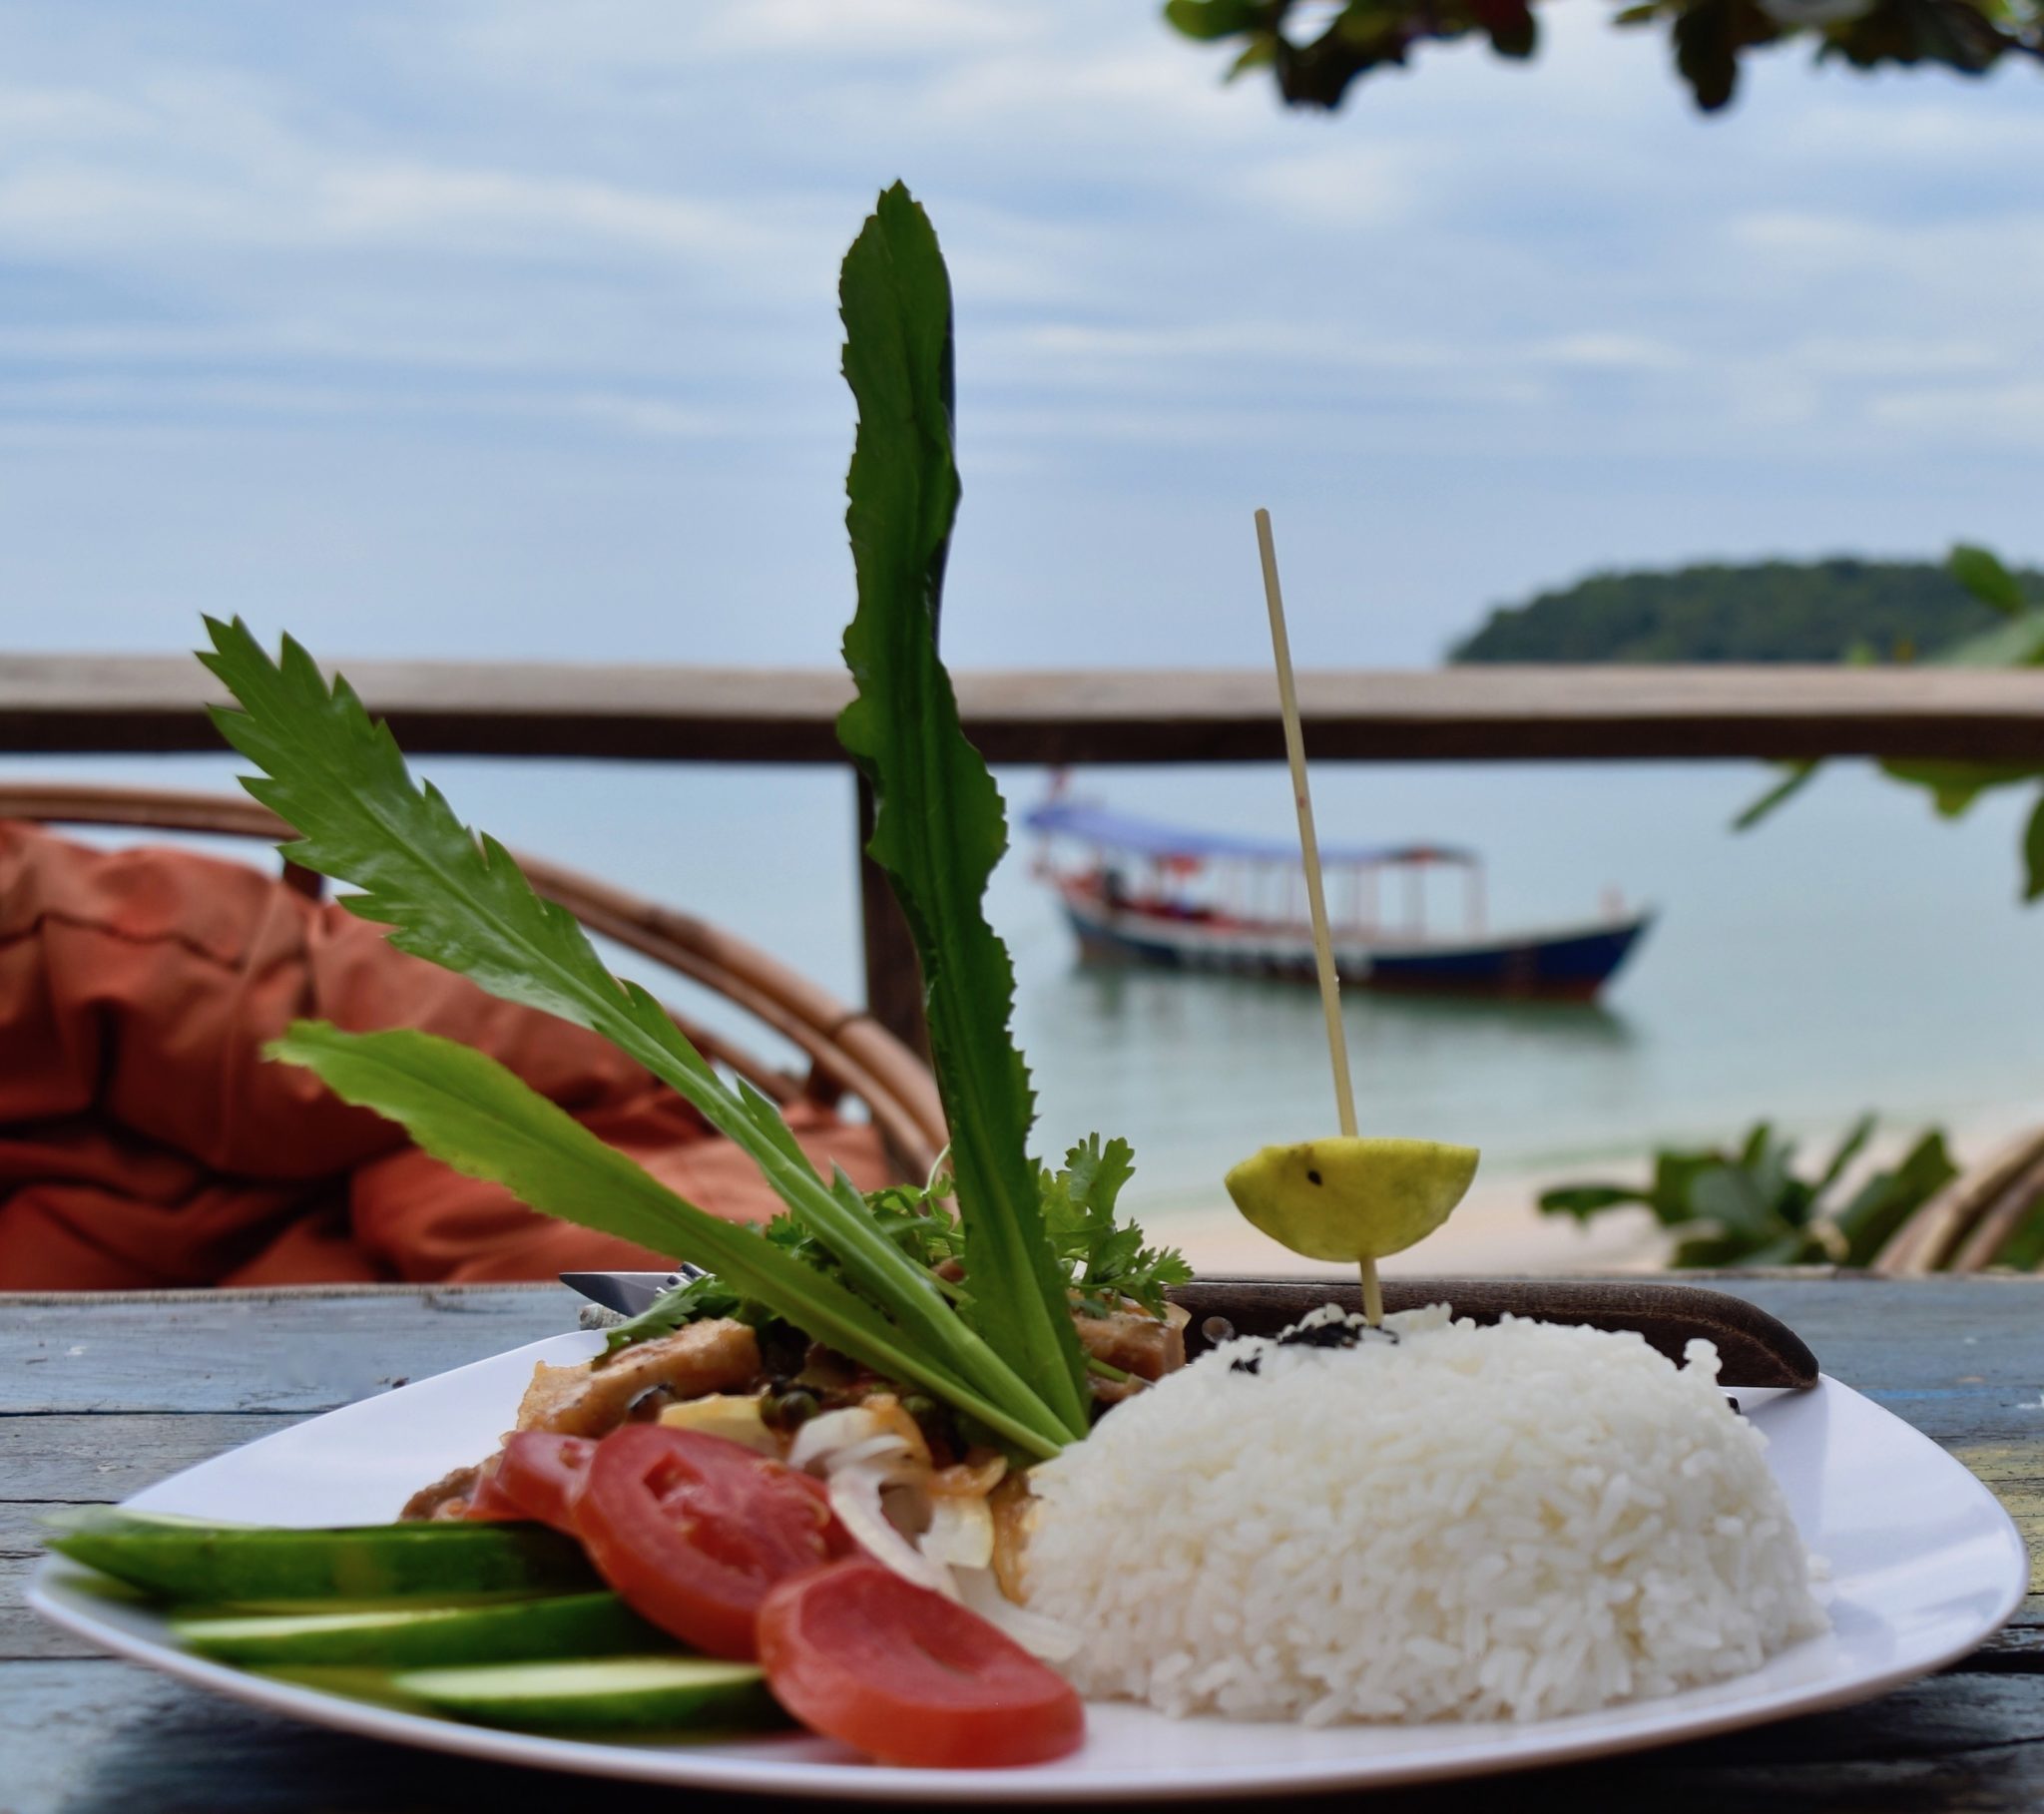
{"x": 857, "y": 1653}
{"x": 692, "y": 1531}
{"x": 489, "y": 1502}
{"x": 543, "y": 1475}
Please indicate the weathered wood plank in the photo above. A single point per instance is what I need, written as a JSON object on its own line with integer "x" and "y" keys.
{"x": 89, "y": 1737}
{"x": 673, "y": 714}
{"x": 97, "y": 1458}
{"x": 23, "y": 1635}
{"x": 250, "y": 1351}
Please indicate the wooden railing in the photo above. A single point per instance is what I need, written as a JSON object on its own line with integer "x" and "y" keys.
{"x": 113, "y": 703}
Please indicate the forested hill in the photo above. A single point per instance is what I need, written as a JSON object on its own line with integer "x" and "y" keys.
{"x": 1767, "y": 611}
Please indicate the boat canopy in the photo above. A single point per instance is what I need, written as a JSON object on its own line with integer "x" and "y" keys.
{"x": 1097, "y": 825}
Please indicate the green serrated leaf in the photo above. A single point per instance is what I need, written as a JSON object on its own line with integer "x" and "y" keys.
{"x": 471, "y": 1113}
{"x": 459, "y": 901}
{"x": 938, "y": 824}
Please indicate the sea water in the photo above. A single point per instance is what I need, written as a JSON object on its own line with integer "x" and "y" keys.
{"x": 1854, "y": 953}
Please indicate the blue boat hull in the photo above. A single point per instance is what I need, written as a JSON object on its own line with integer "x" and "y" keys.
{"x": 1566, "y": 965}
{"x": 1571, "y": 968}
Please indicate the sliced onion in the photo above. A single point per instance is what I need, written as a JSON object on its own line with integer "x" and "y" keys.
{"x": 828, "y": 1431}
{"x": 887, "y": 1450}
{"x": 890, "y": 1410}
{"x": 855, "y": 1498}
{"x": 960, "y": 1534}
{"x": 1040, "y": 1636}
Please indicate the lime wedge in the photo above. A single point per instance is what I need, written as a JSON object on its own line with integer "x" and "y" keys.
{"x": 1344, "y": 1198}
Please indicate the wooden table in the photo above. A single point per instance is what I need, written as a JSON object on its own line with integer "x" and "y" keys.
{"x": 98, "y": 1396}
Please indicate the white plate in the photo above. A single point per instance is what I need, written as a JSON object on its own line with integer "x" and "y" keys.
{"x": 1924, "y": 1564}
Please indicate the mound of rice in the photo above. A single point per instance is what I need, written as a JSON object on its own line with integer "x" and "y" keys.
{"x": 1466, "y": 1523}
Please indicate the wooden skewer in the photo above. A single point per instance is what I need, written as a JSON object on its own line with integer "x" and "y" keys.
{"x": 1315, "y": 889}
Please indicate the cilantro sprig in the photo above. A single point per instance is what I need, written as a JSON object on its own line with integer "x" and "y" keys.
{"x": 1103, "y": 1261}
{"x": 1104, "y": 1258}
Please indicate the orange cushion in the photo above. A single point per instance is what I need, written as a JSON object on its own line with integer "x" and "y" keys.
{"x": 145, "y": 1141}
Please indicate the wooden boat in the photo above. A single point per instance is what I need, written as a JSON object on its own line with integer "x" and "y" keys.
{"x": 1137, "y": 892}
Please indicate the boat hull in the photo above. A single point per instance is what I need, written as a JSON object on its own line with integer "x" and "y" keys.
{"x": 1562, "y": 964}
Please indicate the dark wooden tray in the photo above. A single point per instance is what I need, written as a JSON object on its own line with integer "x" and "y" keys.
{"x": 1754, "y": 1348}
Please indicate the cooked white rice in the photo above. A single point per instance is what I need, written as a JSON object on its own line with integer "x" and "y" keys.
{"x": 1513, "y": 1521}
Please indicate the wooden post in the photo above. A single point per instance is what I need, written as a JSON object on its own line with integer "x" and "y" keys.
{"x": 893, "y": 973}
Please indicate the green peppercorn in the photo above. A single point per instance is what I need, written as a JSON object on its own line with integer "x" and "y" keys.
{"x": 788, "y": 1411}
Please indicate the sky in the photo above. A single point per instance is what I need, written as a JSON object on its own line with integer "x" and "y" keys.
{"x": 507, "y": 328}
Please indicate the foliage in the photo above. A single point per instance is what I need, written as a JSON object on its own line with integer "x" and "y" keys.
{"x": 1098, "y": 1259}
{"x": 938, "y": 825}
{"x": 459, "y": 901}
{"x": 1104, "y": 1259}
{"x": 1314, "y": 52}
{"x": 471, "y": 1113}
{"x": 1762, "y": 611}
{"x": 1747, "y": 1207}
{"x": 2016, "y": 641}
{"x": 855, "y": 1271}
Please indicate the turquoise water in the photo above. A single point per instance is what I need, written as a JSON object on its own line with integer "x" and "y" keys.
{"x": 1856, "y": 953}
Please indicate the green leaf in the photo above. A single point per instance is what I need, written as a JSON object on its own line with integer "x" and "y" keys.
{"x": 1848, "y": 1149}
{"x": 2024, "y": 1248}
{"x": 459, "y": 901}
{"x": 1585, "y": 1200}
{"x": 1755, "y": 1211}
{"x": 473, "y": 1113}
{"x": 1798, "y": 776}
{"x": 1727, "y": 1195}
{"x": 938, "y": 824}
{"x": 1981, "y": 573}
{"x": 1886, "y": 1201}
{"x": 2033, "y": 853}
{"x": 1095, "y": 1175}
{"x": 1207, "y": 20}
{"x": 1261, "y": 54}
{"x": 1954, "y": 786}
{"x": 707, "y": 1296}
{"x": 2017, "y": 644}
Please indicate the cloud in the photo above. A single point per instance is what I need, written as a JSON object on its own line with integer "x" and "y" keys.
{"x": 2009, "y": 414}
{"x": 1613, "y": 352}
{"x": 1339, "y": 186}
{"x": 600, "y": 241}
{"x": 831, "y": 30}
{"x": 495, "y": 209}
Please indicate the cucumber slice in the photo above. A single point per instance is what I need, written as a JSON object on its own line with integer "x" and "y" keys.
{"x": 573, "y": 1624}
{"x": 372, "y": 1686}
{"x": 611, "y": 1694}
{"x": 177, "y": 1559}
